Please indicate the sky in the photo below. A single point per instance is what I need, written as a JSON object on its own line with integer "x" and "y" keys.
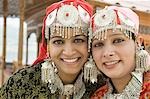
{"x": 12, "y": 41}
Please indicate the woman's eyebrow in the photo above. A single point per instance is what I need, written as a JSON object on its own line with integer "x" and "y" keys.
{"x": 116, "y": 34}
{"x": 80, "y": 35}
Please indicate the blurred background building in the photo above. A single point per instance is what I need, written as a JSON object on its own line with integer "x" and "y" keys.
{"x": 29, "y": 14}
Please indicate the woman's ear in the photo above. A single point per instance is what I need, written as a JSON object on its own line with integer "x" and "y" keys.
{"x": 140, "y": 40}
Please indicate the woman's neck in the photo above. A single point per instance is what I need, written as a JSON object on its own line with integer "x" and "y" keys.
{"x": 67, "y": 78}
{"x": 121, "y": 83}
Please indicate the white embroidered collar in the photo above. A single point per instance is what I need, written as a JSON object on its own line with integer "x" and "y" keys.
{"x": 131, "y": 91}
{"x": 76, "y": 90}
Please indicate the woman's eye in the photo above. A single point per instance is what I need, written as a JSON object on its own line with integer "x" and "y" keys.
{"x": 58, "y": 42}
{"x": 79, "y": 41}
{"x": 118, "y": 40}
{"x": 98, "y": 44}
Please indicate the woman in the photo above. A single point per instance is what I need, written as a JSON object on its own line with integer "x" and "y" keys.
{"x": 118, "y": 56}
{"x": 56, "y": 74}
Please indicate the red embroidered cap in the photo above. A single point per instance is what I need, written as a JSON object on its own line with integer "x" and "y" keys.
{"x": 113, "y": 17}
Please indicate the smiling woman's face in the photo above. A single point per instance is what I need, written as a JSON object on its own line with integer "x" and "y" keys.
{"x": 68, "y": 54}
{"x": 114, "y": 56}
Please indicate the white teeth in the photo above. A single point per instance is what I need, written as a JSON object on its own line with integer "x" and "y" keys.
{"x": 111, "y": 63}
{"x": 70, "y": 60}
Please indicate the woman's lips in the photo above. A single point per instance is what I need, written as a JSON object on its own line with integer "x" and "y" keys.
{"x": 70, "y": 60}
{"x": 111, "y": 64}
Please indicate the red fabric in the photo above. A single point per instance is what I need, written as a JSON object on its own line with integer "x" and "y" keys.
{"x": 49, "y": 9}
{"x": 118, "y": 20}
{"x": 146, "y": 87}
{"x": 145, "y": 92}
{"x": 100, "y": 92}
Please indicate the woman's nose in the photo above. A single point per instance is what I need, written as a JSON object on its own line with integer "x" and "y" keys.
{"x": 69, "y": 49}
{"x": 109, "y": 52}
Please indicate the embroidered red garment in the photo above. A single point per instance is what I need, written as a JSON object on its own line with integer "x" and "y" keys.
{"x": 146, "y": 87}
{"x": 98, "y": 94}
{"x": 145, "y": 92}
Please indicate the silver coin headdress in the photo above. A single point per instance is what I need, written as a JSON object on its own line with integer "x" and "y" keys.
{"x": 67, "y": 20}
{"x": 114, "y": 17}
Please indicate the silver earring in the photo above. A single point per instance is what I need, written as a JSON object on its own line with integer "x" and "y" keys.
{"x": 142, "y": 60}
{"x": 48, "y": 74}
{"x": 90, "y": 71}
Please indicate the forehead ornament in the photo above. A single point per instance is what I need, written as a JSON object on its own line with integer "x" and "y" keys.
{"x": 67, "y": 21}
{"x": 111, "y": 19}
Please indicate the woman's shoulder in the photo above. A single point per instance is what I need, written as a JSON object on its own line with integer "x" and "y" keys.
{"x": 100, "y": 92}
{"x": 26, "y": 73}
{"x": 145, "y": 93}
{"x": 25, "y": 82}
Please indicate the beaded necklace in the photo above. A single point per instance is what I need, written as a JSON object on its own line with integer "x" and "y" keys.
{"x": 131, "y": 91}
